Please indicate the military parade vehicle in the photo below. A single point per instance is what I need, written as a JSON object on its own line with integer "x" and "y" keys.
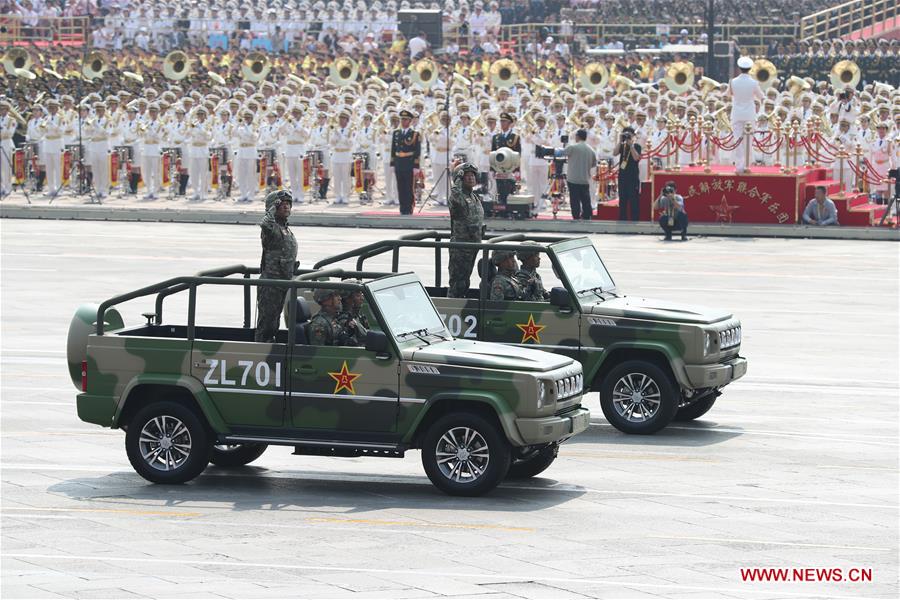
{"x": 651, "y": 361}
{"x": 198, "y": 389}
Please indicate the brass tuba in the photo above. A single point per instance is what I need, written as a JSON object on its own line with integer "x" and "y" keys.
{"x": 622, "y": 83}
{"x": 594, "y": 77}
{"x": 504, "y": 73}
{"x": 708, "y": 84}
{"x": 764, "y": 72}
{"x": 796, "y": 85}
{"x": 256, "y": 67}
{"x": 176, "y": 65}
{"x": 16, "y": 58}
{"x": 343, "y": 71}
{"x": 845, "y": 74}
{"x": 424, "y": 72}
{"x": 680, "y": 77}
{"x": 94, "y": 65}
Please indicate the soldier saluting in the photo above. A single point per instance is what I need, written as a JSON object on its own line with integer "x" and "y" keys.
{"x": 466, "y": 225}
{"x": 406, "y": 148}
{"x": 279, "y": 253}
{"x": 505, "y": 138}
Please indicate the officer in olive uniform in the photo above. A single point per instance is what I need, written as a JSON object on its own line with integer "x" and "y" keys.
{"x": 505, "y": 286}
{"x": 353, "y": 322}
{"x": 279, "y": 255}
{"x": 528, "y": 276}
{"x": 505, "y": 138}
{"x": 406, "y": 148}
{"x": 466, "y": 225}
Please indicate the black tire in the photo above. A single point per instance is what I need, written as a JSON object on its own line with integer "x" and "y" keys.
{"x": 236, "y": 455}
{"x": 489, "y": 436}
{"x": 696, "y": 409}
{"x": 189, "y": 450}
{"x": 652, "y": 417}
{"x": 534, "y": 464}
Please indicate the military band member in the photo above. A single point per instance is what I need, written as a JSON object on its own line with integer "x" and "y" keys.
{"x": 881, "y": 157}
{"x": 96, "y": 131}
{"x": 7, "y": 130}
{"x": 440, "y": 142}
{"x": 52, "y": 129}
{"x": 198, "y": 158}
{"x": 538, "y": 168}
{"x": 506, "y": 138}
{"x": 245, "y": 157}
{"x": 151, "y": 132}
{"x": 483, "y": 155}
{"x": 406, "y": 148}
{"x": 385, "y": 142}
{"x": 318, "y": 141}
{"x": 341, "y": 141}
{"x": 295, "y": 134}
{"x": 128, "y": 129}
{"x": 364, "y": 141}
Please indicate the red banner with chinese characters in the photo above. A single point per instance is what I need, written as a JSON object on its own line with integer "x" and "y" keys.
{"x": 262, "y": 168}
{"x": 214, "y": 171}
{"x": 307, "y": 173}
{"x": 765, "y": 197}
{"x": 19, "y": 166}
{"x": 166, "y": 167}
{"x": 358, "y": 181}
{"x": 114, "y": 169}
{"x": 67, "y": 161}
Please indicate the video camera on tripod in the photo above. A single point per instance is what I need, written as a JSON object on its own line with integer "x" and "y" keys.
{"x": 557, "y": 175}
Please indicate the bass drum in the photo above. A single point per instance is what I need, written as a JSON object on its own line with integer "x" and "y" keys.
{"x": 83, "y": 324}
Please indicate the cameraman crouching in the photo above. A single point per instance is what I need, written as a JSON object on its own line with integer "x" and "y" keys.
{"x": 673, "y": 217}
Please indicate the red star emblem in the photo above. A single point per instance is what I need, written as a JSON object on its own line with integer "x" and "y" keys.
{"x": 531, "y": 331}
{"x": 343, "y": 379}
{"x": 723, "y": 211}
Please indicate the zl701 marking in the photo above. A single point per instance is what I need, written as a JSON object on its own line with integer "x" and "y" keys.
{"x": 217, "y": 373}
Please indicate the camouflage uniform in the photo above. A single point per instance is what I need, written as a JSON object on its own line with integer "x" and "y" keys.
{"x": 466, "y": 225}
{"x": 532, "y": 285}
{"x": 505, "y": 286}
{"x": 326, "y": 330}
{"x": 278, "y": 259}
{"x": 354, "y": 324}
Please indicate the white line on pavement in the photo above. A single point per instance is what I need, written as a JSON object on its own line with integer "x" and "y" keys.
{"x": 733, "y": 541}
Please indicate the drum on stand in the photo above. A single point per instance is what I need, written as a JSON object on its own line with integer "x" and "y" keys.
{"x": 267, "y": 168}
{"x": 317, "y": 168}
{"x": 360, "y": 182}
{"x": 32, "y": 160}
{"x": 220, "y": 156}
{"x": 171, "y": 159}
{"x": 124, "y": 158}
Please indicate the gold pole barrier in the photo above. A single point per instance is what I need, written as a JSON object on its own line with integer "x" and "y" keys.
{"x": 676, "y": 166}
{"x": 776, "y": 127}
{"x": 858, "y": 184}
{"x": 707, "y": 131}
{"x": 841, "y": 156}
{"x": 692, "y": 123}
{"x": 748, "y": 137}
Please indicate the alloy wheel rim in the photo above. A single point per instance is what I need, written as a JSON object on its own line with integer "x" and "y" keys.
{"x": 165, "y": 443}
{"x": 636, "y": 397}
{"x": 462, "y": 455}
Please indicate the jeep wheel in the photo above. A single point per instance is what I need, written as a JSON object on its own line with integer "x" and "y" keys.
{"x": 638, "y": 397}
{"x": 167, "y": 443}
{"x": 236, "y": 455}
{"x": 696, "y": 409}
{"x": 464, "y": 454}
{"x": 534, "y": 463}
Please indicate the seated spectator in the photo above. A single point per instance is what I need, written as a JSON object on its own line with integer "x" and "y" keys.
{"x": 820, "y": 210}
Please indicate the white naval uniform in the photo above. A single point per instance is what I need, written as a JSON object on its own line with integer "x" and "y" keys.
{"x": 7, "y": 129}
{"x": 341, "y": 142}
{"x": 538, "y": 175}
{"x": 96, "y": 131}
{"x": 53, "y": 127}
{"x": 151, "y": 161}
{"x": 385, "y": 138}
{"x": 440, "y": 160}
{"x": 744, "y": 90}
{"x": 880, "y": 154}
{"x": 296, "y": 135}
{"x": 199, "y": 137}
{"x": 131, "y": 136}
{"x": 245, "y": 158}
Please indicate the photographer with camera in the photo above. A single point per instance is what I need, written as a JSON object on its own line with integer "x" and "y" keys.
{"x": 629, "y": 153}
{"x": 673, "y": 217}
{"x": 581, "y": 159}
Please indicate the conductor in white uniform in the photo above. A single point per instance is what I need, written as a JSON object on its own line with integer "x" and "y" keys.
{"x": 744, "y": 90}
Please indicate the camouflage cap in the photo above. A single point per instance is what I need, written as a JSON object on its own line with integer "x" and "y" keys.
{"x": 321, "y": 295}
{"x": 275, "y": 198}
{"x": 498, "y": 256}
{"x": 347, "y": 293}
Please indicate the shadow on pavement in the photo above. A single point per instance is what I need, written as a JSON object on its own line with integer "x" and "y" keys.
{"x": 683, "y": 434}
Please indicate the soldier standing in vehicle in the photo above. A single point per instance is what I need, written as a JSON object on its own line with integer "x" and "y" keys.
{"x": 354, "y": 324}
{"x": 466, "y": 225}
{"x": 505, "y": 286}
{"x": 528, "y": 276}
{"x": 279, "y": 257}
{"x": 324, "y": 328}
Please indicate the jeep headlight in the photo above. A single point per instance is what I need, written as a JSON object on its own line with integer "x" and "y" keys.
{"x": 709, "y": 342}
{"x": 542, "y": 393}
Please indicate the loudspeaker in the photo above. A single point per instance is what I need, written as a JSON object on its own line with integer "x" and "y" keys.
{"x": 429, "y": 21}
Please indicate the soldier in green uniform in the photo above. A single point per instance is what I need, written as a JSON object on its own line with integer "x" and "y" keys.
{"x": 406, "y": 149}
{"x": 354, "y": 324}
{"x": 279, "y": 255}
{"x": 324, "y": 328}
{"x": 528, "y": 276}
{"x": 466, "y": 225}
{"x": 505, "y": 286}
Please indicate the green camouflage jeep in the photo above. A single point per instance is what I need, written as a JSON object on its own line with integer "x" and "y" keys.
{"x": 188, "y": 393}
{"x": 652, "y": 361}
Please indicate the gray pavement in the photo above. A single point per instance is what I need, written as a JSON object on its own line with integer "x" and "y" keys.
{"x": 795, "y": 467}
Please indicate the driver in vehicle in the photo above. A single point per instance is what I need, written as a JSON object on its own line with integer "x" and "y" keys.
{"x": 324, "y": 328}
{"x": 529, "y": 279}
{"x": 351, "y": 319}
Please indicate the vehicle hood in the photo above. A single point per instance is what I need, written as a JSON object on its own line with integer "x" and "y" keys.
{"x": 488, "y": 355}
{"x": 636, "y": 307}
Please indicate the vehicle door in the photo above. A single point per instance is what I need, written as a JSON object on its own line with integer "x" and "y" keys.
{"x": 537, "y": 324}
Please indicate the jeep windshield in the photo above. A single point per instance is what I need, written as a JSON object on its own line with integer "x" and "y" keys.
{"x": 409, "y": 313}
{"x": 585, "y": 270}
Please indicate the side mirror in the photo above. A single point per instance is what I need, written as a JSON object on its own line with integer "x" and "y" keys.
{"x": 559, "y": 297}
{"x": 376, "y": 341}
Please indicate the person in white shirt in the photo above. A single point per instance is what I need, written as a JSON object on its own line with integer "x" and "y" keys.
{"x": 744, "y": 91}
{"x": 538, "y": 175}
{"x": 881, "y": 156}
{"x": 364, "y": 141}
{"x": 52, "y": 129}
{"x": 151, "y": 137}
{"x": 245, "y": 157}
{"x": 294, "y": 150}
{"x": 417, "y": 45}
{"x": 341, "y": 141}
{"x": 385, "y": 138}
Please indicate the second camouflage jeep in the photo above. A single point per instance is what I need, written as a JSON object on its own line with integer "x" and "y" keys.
{"x": 651, "y": 361}
{"x": 192, "y": 391}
